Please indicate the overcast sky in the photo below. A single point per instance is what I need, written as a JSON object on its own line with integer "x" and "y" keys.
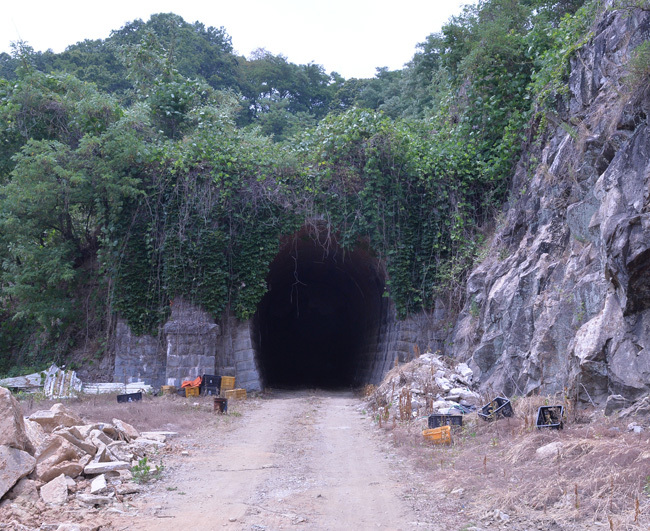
{"x": 351, "y": 37}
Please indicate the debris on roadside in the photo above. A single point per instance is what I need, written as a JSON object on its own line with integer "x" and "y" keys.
{"x": 441, "y": 435}
{"x": 54, "y": 457}
{"x": 498, "y": 408}
{"x": 430, "y": 384}
{"x": 56, "y": 382}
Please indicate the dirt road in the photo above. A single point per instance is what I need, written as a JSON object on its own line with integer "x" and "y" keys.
{"x": 299, "y": 460}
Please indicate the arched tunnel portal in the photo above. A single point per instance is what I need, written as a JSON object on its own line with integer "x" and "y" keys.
{"x": 319, "y": 324}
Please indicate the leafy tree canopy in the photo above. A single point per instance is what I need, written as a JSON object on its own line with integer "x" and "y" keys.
{"x": 156, "y": 164}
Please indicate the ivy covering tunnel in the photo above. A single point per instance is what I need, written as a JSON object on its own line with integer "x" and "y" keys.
{"x": 318, "y": 324}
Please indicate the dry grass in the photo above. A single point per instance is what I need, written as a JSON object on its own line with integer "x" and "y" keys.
{"x": 167, "y": 413}
{"x": 598, "y": 480}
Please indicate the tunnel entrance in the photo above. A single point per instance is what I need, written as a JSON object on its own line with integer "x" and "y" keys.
{"x": 319, "y": 322}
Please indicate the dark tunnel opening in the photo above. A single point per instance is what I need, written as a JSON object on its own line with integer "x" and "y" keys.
{"x": 318, "y": 324}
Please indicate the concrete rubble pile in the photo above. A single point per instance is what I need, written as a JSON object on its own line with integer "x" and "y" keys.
{"x": 432, "y": 384}
{"x": 53, "y": 457}
{"x": 58, "y": 383}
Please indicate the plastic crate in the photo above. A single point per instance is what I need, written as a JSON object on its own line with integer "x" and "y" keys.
{"x": 130, "y": 397}
{"x": 440, "y": 435}
{"x": 227, "y": 383}
{"x": 499, "y": 407}
{"x": 436, "y": 420}
{"x": 209, "y": 391}
{"x": 209, "y": 380}
{"x": 550, "y": 417}
{"x": 235, "y": 394}
{"x": 168, "y": 390}
{"x": 191, "y": 391}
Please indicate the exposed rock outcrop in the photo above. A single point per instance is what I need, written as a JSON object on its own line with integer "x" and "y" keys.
{"x": 563, "y": 301}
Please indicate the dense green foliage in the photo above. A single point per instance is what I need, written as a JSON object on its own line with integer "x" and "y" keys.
{"x": 154, "y": 165}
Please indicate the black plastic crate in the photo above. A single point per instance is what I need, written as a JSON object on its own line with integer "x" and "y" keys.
{"x": 209, "y": 391}
{"x": 437, "y": 420}
{"x": 498, "y": 408}
{"x": 550, "y": 417}
{"x": 130, "y": 397}
{"x": 209, "y": 380}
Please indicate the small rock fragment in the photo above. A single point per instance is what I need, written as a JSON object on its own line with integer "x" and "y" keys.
{"x": 55, "y": 492}
{"x": 94, "y": 499}
{"x": 98, "y": 485}
{"x": 58, "y": 415}
{"x": 129, "y": 431}
{"x": 549, "y": 451}
{"x": 101, "y": 468}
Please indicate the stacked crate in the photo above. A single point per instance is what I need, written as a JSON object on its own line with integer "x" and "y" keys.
{"x": 235, "y": 394}
{"x": 227, "y": 383}
{"x": 209, "y": 385}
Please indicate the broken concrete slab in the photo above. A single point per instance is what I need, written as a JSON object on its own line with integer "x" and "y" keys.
{"x": 58, "y": 451}
{"x": 68, "y": 468}
{"x": 126, "y": 429}
{"x": 152, "y": 444}
{"x": 61, "y": 384}
{"x": 120, "y": 451}
{"x": 128, "y": 488}
{"x": 58, "y": 415}
{"x": 84, "y": 431}
{"x": 465, "y": 372}
{"x": 15, "y": 464}
{"x": 72, "y": 436}
{"x": 106, "y": 388}
{"x": 102, "y": 455}
{"x": 55, "y": 382}
{"x": 36, "y": 435}
{"x": 12, "y": 425}
{"x": 95, "y": 499}
{"x": 28, "y": 381}
{"x": 100, "y": 468}
{"x": 459, "y": 393}
{"x": 55, "y": 492}
{"x": 98, "y": 485}
{"x": 99, "y": 438}
{"x": 153, "y": 435}
{"x": 111, "y": 431}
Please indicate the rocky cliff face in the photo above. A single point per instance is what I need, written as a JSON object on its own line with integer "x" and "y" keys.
{"x": 563, "y": 299}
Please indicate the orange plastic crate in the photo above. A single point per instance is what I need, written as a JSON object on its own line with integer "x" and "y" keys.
{"x": 441, "y": 435}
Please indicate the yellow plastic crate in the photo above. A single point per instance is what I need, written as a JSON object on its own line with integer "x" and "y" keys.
{"x": 191, "y": 391}
{"x": 168, "y": 389}
{"x": 235, "y": 394}
{"x": 441, "y": 435}
{"x": 227, "y": 383}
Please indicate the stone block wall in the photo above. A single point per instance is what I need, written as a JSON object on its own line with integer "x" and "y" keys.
{"x": 390, "y": 339}
{"x": 138, "y": 358}
{"x": 237, "y": 354}
{"x": 192, "y": 344}
{"x": 191, "y": 339}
